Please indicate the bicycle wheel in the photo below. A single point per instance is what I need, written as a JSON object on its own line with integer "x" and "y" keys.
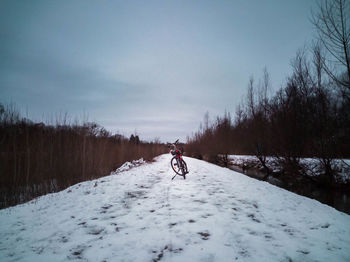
{"x": 184, "y": 168}
{"x": 177, "y": 166}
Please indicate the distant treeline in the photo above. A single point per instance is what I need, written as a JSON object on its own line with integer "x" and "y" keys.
{"x": 309, "y": 116}
{"x": 36, "y": 159}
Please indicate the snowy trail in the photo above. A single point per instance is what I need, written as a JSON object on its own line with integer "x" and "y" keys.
{"x": 141, "y": 215}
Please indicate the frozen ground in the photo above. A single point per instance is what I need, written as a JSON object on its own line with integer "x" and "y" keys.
{"x": 141, "y": 215}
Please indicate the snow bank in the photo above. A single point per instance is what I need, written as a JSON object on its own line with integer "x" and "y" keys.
{"x": 128, "y": 165}
{"x": 215, "y": 214}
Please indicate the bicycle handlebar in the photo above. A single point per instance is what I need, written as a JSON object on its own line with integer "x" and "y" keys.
{"x": 173, "y": 144}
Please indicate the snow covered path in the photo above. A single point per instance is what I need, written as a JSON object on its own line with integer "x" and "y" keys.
{"x": 141, "y": 215}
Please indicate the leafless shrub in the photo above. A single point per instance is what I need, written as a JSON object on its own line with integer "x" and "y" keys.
{"x": 36, "y": 158}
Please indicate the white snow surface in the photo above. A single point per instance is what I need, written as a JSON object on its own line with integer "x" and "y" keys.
{"x": 140, "y": 214}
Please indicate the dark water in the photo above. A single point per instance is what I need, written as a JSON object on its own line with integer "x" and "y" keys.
{"x": 338, "y": 199}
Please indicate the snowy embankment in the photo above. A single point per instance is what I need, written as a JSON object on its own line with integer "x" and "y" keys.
{"x": 311, "y": 166}
{"x": 141, "y": 215}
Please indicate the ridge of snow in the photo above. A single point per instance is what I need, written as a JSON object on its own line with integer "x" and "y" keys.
{"x": 128, "y": 165}
{"x": 216, "y": 214}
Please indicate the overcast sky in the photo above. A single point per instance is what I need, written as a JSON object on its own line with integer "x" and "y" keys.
{"x": 154, "y": 67}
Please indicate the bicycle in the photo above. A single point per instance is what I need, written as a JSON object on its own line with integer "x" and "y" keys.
{"x": 177, "y": 163}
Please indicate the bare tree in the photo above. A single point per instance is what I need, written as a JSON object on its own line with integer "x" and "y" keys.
{"x": 251, "y": 104}
{"x": 257, "y": 108}
{"x": 332, "y": 22}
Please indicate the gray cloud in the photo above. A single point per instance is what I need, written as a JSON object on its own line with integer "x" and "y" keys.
{"x": 153, "y": 66}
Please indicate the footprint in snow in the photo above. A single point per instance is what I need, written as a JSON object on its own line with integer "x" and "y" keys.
{"x": 326, "y": 225}
{"x": 94, "y": 230}
{"x": 172, "y": 225}
{"x": 77, "y": 252}
{"x": 63, "y": 239}
{"x": 303, "y": 251}
{"x": 204, "y": 235}
{"x": 167, "y": 248}
{"x": 207, "y": 215}
{"x": 252, "y": 216}
{"x": 268, "y": 236}
{"x": 105, "y": 207}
